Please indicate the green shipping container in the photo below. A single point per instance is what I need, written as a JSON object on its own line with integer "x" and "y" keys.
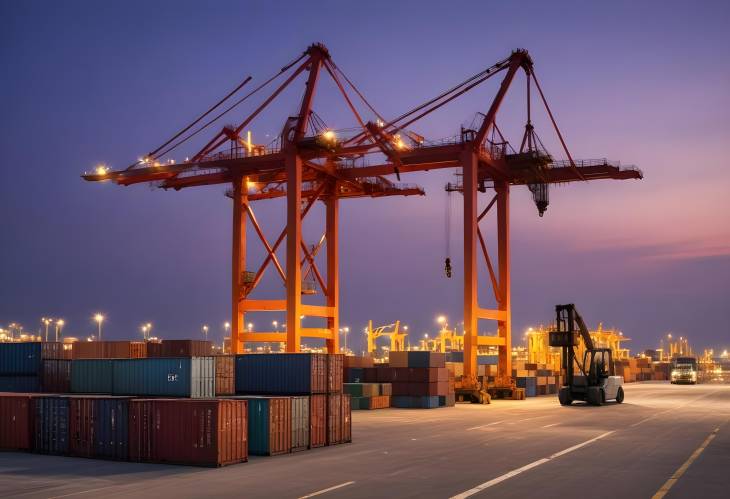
{"x": 91, "y": 376}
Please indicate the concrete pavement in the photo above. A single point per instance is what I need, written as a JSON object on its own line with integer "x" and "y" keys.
{"x": 532, "y": 448}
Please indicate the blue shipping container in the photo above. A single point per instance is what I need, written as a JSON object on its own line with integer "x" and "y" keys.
{"x": 529, "y": 383}
{"x": 111, "y": 428}
{"x": 91, "y": 376}
{"x": 269, "y": 425}
{"x": 426, "y": 359}
{"x": 20, "y": 358}
{"x": 281, "y": 373}
{"x": 487, "y": 360}
{"x": 408, "y": 402}
{"x": 455, "y": 356}
{"x": 51, "y": 425}
{"x": 20, "y": 384}
{"x": 166, "y": 377}
{"x": 354, "y": 375}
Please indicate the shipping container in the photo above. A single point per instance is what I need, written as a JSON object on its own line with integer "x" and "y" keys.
{"x": 187, "y": 431}
{"x": 92, "y": 376}
{"x": 20, "y": 384}
{"x": 20, "y": 358}
{"x": 50, "y": 425}
{"x": 346, "y": 418}
{"x": 281, "y": 373}
{"x": 318, "y": 420}
{"x": 109, "y": 350}
{"x": 154, "y": 349}
{"x": 426, "y": 359}
{"x": 335, "y": 369}
{"x": 98, "y": 427}
{"x": 184, "y": 348}
{"x": 56, "y": 376}
{"x": 411, "y": 402}
{"x": 299, "y": 423}
{"x": 334, "y": 418}
{"x": 398, "y": 359}
{"x": 51, "y": 350}
{"x": 16, "y": 423}
{"x": 269, "y": 425}
{"x": 354, "y": 375}
{"x": 165, "y": 377}
{"x": 225, "y": 379}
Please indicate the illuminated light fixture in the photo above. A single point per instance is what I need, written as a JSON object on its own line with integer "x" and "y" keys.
{"x": 379, "y": 123}
{"x": 101, "y": 170}
{"x": 329, "y": 135}
{"x": 249, "y": 145}
{"x": 398, "y": 142}
{"x": 441, "y": 319}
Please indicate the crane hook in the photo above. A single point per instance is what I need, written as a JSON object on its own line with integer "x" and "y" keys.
{"x": 447, "y": 267}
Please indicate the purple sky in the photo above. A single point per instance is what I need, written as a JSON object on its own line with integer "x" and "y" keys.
{"x": 89, "y": 82}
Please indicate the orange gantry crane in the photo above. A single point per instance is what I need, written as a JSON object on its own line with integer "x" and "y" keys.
{"x": 312, "y": 162}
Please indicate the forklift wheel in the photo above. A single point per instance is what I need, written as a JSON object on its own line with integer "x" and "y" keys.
{"x": 620, "y": 395}
{"x": 564, "y": 396}
{"x": 593, "y": 395}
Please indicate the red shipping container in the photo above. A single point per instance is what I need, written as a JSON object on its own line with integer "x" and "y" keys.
{"x": 56, "y": 376}
{"x": 347, "y": 417}
{"x": 400, "y": 388}
{"x": 335, "y": 369}
{"x": 318, "y": 420}
{"x": 16, "y": 423}
{"x": 55, "y": 350}
{"x": 154, "y": 349}
{"x": 354, "y": 361}
{"x": 225, "y": 377}
{"x": 423, "y": 374}
{"x": 87, "y": 350}
{"x": 423, "y": 389}
{"x": 334, "y": 418}
{"x": 137, "y": 350}
{"x": 186, "y": 348}
{"x": 188, "y": 431}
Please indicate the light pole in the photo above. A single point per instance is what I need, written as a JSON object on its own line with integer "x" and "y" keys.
{"x": 226, "y": 328}
{"x": 99, "y": 319}
{"x": 59, "y": 327}
{"x": 345, "y": 330}
{"x": 276, "y": 326}
{"x": 46, "y": 321}
{"x": 205, "y": 331}
{"x": 250, "y": 327}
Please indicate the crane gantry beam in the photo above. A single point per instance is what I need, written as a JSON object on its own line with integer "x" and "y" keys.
{"x": 310, "y": 162}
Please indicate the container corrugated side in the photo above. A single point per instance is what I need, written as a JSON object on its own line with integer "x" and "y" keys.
{"x": 225, "y": 379}
{"x": 318, "y": 420}
{"x": 50, "y": 426}
{"x": 186, "y": 431}
{"x": 300, "y": 423}
{"x": 16, "y": 421}
{"x": 23, "y": 358}
{"x": 334, "y": 418}
{"x": 92, "y": 376}
{"x": 281, "y": 374}
{"x": 335, "y": 371}
{"x": 98, "y": 427}
{"x": 269, "y": 425}
{"x": 165, "y": 377}
{"x": 56, "y": 376}
{"x": 20, "y": 384}
{"x": 185, "y": 348}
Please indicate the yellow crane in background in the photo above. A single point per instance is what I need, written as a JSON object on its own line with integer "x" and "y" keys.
{"x": 397, "y": 339}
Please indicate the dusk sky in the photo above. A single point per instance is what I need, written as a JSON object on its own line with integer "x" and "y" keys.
{"x": 646, "y": 83}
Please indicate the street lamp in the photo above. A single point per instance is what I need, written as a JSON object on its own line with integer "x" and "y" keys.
{"x": 46, "y": 321}
{"x": 276, "y": 326}
{"x": 345, "y": 330}
{"x": 205, "y": 331}
{"x": 250, "y": 327}
{"x": 99, "y": 319}
{"x": 59, "y": 327}
{"x": 146, "y": 328}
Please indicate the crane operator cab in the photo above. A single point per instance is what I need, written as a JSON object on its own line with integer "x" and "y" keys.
{"x": 592, "y": 378}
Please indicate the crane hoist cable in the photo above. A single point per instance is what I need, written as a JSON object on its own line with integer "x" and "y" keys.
{"x": 227, "y": 110}
{"x": 447, "y": 230}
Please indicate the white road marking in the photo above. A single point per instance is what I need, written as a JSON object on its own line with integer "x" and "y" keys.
{"x": 550, "y": 425}
{"x": 484, "y": 425}
{"x": 324, "y": 491}
{"x": 533, "y": 464}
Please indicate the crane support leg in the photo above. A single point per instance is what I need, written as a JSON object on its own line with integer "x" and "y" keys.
{"x": 469, "y": 165}
{"x": 504, "y": 326}
{"x": 332, "y": 206}
{"x": 238, "y": 255}
{"x": 293, "y": 250}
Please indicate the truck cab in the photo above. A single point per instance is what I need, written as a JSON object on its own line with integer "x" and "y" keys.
{"x": 684, "y": 370}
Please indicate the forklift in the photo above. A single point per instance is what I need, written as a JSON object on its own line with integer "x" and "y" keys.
{"x": 596, "y": 382}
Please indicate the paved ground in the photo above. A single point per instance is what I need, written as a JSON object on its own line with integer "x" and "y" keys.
{"x": 532, "y": 448}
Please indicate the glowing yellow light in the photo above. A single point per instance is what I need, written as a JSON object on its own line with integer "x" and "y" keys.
{"x": 441, "y": 319}
{"x": 99, "y": 318}
{"x": 60, "y": 322}
{"x": 249, "y": 145}
{"x": 101, "y": 170}
{"x": 329, "y": 135}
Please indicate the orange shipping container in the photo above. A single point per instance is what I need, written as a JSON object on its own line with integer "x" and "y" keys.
{"x": 318, "y": 420}
{"x": 225, "y": 377}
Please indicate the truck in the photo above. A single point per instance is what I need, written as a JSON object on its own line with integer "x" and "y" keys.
{"x": 684, "y": 370}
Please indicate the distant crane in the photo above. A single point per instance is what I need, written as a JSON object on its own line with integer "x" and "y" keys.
{"x": 392, "y": 331}
{"x": 310, "y": 161}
